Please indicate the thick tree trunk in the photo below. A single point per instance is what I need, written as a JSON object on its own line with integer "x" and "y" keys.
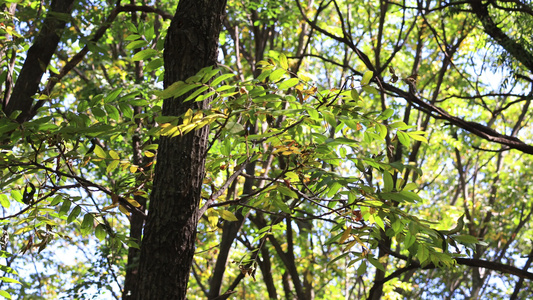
{"x": 168, "y": 245}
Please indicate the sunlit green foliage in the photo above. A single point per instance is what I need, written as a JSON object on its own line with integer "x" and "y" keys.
{"x": 338, "y": 176}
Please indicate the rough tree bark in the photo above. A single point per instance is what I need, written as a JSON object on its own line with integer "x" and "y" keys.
{"x": 168, "y": 245}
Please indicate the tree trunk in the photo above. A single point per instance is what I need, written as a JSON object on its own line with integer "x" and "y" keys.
{"x": 131, "y": 279}
{"x": 167, "y": 248}
{"x": 37, "y": 60}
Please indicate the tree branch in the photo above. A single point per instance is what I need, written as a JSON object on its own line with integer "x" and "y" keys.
{"x": 514, "y": 48}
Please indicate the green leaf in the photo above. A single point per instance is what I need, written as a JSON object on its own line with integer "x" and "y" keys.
{"x": 370, "y": 90}
{"x": 292, "y": 176}
{"x": 375, "y": 263}
{"x": 276, "y": 74}
{"x": 278, "y": 203}
{"x": 9, "y": 280}
{"x": 153, "y": 65}
{"x": 126, "y": 110}
{"x": 56, "y": 200}
{"x": 133, "y": 37}
{"x": 379, "y": 221}
{"x": 388, "y": 183}
{"x": 333, "y": 189}
{"x": 283, "y": 61}
{"x": 381, "y": 130}
{"x": 5, "y": 294}
{"x": 409, "y": 240}
{"x": 313, "y": 113}
{"x": 234, "y": 127}
{"x": 112, "y": 112}
{"x": 113, "y": 154}
{"x": 176, "y": 89}
{"x": 333, "y": 239}
{"x": 286, "y": 191}
{"x": 99, "y": 152}
{"x": 417, "y": 137}
{"x": 65, "y": 207}
{"x": 410, "y": 186}
{"x": 16, "y": 195}
{"x": 392, "y": 196}
{"x": 465, "y": 238}
{"x": 208, "y": 73}
{"x": 367, "y": 77}
{"x": 74, "y": 214}
{"x": 422, "y": 253}
{"x": 100, "y": 232}
{"x": 338, "y": 257}
{"x": 196, "y": 93}
{"x": 362, "y": 269}
{"x": 221, "y": 78}
{"x": 112, "y": 166}
{"x": 288, "y": 83}
{"x": 144, "y": 54}
{"x": 397, "y": 226}
{"x": 99, "y": 113}
{"x": 4, "y": 201}
{"x": 136, "y": 44}
{"x": 113, "y": 95}
{"x": 403, "y": 138}
{"x": 399, "y": 124}
{"x": 330, "y": 118}
{"x": 88, "y": 222}
{"x": 355, "y": 94}
{"x": 410, "y": 196}
{"x": 387, "y": 113}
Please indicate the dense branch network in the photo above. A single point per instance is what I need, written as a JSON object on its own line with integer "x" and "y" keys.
{"x": 478, "y": 129}
{"x": 41, "y": 51}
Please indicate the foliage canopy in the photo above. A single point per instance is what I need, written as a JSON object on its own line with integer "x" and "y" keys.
{"x": 356, "y": 149}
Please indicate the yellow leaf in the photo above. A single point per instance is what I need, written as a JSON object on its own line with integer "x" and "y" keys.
{"x": 133, "y": 202}
{"x": 149, "y": 154}
{"x": 359, "y": 240}
{"x": 123, "y": 210}
{"x": 134, "y": 168}
{"x": 112, "y": 166}
{"x": 184, "y": 129}
{"x": 110, "y": 207}
{"x": 350, "y": 245}
{"x": 213, "y": 220}
{"x": 345, "y": 235}
{"x": 22, "y": 230}
{"x": 198, "y": 116}
{"x": 367, "y": 77}
{"x": 113, "y": 154}
{"x": 228, "y": 215}
{"x": 187, "y": 117}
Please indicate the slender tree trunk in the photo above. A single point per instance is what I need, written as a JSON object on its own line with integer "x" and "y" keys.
{"x": 167, "y": 248}
{"x": 131, "y": 280}
{"x": 37, "y": 60}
